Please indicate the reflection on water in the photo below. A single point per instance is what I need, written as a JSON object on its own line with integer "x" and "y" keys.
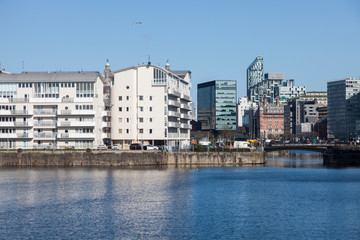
{"x": 297, "y": 159}
{"x": 292, "y": 197}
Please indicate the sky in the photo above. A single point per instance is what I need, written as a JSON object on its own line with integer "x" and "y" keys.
{"x": 310, "y": 41}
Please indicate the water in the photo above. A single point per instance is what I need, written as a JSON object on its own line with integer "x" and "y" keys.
{"x": 290, "y": 198}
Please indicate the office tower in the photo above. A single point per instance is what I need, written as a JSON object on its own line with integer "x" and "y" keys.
{"x": 254, "y": 75}
{"x": 217, "y": 105}
{"x": 344, "y": 109}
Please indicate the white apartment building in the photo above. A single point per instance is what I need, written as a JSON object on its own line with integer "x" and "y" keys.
{"x": 243, "y": 105}
{"x": 53, "y": 110}
{"x": 150, "y": 105}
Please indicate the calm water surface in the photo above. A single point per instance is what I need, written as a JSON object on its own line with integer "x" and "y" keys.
{"x": 290, "y": 198}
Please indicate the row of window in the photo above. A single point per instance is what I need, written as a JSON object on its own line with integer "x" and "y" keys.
{"x": 140, "y": 108}
{"x": 141, "y": 98}
{"x": 141, "y": 130}
{"x": 140, "y": 120}
{"x": 84, "y": 107}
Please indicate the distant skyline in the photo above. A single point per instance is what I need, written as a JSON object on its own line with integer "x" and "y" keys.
{"x": 312, "y": 42}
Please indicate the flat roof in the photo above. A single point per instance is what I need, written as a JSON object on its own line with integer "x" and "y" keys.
{"x": 79, "y": 76}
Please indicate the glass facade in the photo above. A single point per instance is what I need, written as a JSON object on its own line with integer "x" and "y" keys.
{"x": 344, "y": 109}
{"x": 217, "y": 105}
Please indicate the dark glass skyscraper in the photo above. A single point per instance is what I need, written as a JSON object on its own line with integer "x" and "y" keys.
{"x": 217, "y": 105}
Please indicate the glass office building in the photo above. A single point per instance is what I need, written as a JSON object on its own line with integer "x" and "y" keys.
{"x": 217, "y": 105}
{"x": 343, "y": 110}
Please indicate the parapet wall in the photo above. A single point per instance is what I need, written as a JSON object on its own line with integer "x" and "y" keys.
{"x": 127, "y": 158}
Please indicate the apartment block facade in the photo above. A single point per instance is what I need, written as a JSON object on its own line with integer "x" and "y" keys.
{"x": 51, "y": 110}
{"x": 150, "y": 105}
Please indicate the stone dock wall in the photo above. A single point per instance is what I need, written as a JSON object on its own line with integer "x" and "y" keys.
{"x": 127, "y": 158}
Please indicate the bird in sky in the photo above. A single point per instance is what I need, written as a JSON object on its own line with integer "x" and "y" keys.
{"x": 137, "y": 22}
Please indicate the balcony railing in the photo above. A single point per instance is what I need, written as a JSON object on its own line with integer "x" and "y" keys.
{"x": 76, "y": 135}
{"x": 76, "y": 112}
{"x": 45, "y": 123}
{"x": 16, "y": 124}
{"x": 185, "y": 116}
{"x": 15, "y": 112}
{"x": 44, "y": 112}
{"x": 173, "y": 92}
{"x": 185, "y": 106}
{"x": 15, "y": 135}
{"x": 185, "y": 126}
{"x": 45, "y": 135}
{"x": 174, "y": 124}
{"x": 75, "y": 124}
{"x": 185, "y": 97}
{"x": 173, "y": 103}
{"x": 173, "y": 114}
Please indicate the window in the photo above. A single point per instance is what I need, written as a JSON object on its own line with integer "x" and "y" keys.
{"x": 150, "y": 109}
{"x": 141, "y": 109}
{"x": 120, "y": 120}
{"x": 120, "y": 109}
{"x": 150, "y": 131}
{"x": 127, "y": 119}
{"x": 127, "y": 97}
{"x": 120, "y": 98}
{"x": 127, "y": 109}
{"x": 141, "y": 130}
{"x": 127, "y": 87}
{"x": 150, "y": 119}
{"x": 120, "y": 131}
{"x": 141, "y": 120}
{"x": 150, "y": 98}
{"x": 127, "y": 130}
{"x": 141, "y": 98}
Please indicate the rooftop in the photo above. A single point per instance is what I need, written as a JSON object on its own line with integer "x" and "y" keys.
{"x": 79, "y": 76}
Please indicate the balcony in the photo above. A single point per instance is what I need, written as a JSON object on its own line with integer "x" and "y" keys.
{"x": 75, "y": 124}
{"x": 16, "y": 124}
{"x": 173, "y": 114}
{"x": 43, "y": 135}
{"x": 76, "y": 136}
{"x": 15, "y": 112}
{"x": 185, "y": 97}
{"x": 173, "y": 124}
{"x": 45, "y": 124}
{"x": 185, "y": 106}
{"x": 185, "y": 116}
{"x": 173, "y": 135}
{"x": 45, "y": 112}
{"x": 185, "y": 126}
{"x": 173, "y": 92}
{"x": 106, "y": 113}
{"x": 15, "y": 135}
{"x": 76, "y": 112}
{"x": 173, "y": 103}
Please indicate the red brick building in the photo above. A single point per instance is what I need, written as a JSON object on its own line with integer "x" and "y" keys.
{"x": 270, "y": 120}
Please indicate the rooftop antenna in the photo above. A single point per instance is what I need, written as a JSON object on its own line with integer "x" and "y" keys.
{"x": 149, "y": 63}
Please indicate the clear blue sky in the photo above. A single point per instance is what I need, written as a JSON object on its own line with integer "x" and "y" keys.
{"x": 312, "y": 41}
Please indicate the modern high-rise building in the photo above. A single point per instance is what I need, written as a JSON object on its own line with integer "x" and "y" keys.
{"x": 217, "y": 105}
{"x": 288, "y": 90}
{"x": 51, "y": 110}
{"x": 150, "y": 105}
{"x": 266, "y": 88}
{"x": 343, "y": 110}
{"x": 254, "y": 75}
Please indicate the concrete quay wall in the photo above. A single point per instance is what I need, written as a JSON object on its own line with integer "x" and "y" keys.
{"x": 126, "y": 158}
